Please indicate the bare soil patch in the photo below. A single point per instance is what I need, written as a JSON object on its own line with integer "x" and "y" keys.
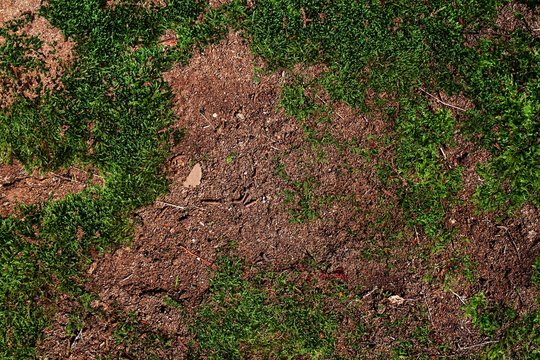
{"x": 12, "y": 9}
{"x": 56, "y": 53}
{"x": 17, "y": 186}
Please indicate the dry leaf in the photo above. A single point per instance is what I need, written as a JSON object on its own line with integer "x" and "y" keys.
{"x": 396, "y": 300}
{"x": 194, "y": 177}
{"x": 92, "y": 268}
{"x": 169, "y": 42}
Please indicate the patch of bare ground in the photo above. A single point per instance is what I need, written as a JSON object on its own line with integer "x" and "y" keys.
{"x": 55, "y": 53}
{"x": 510, "y": 17}
{"x": 17, "y": 186}
{"x": 234, "y": 131}
{"x": 218, "y": 3}
{"x": 502, "y": 253}
{"x": 516, "y": 15}
{"x": 488, "y": 255}
{"x": 12, "y": 9}
{"x": 101, "y": 336}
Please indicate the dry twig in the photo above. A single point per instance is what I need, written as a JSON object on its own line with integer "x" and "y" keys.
{"x": 203, "y": 260}
{"x": 442, "y": 102}
{"x": 171, "y": 205}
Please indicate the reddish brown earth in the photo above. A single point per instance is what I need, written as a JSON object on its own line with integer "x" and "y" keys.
{"x": 56, "y": 53}
{"x": 19, "y": 187}
{"x": 12, "y": 9}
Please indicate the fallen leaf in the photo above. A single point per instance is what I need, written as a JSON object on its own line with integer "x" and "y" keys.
{"x": 194, "y": 177}
{"x": 396, "y": 300}
{"x": 92, "y": 268}
{"x": 169, "y": 42}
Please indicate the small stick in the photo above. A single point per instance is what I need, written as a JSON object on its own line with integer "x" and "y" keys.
{"x": 443, "y": 154}
{"x": 369, "y": 293}
{"x": 429, "y": 312}
{"x": 388, "y": 193}
{"x": 169, "y": 41}
{"x": 15, "y": 72}
{"x": 458, "y": 296}
{"x": 442, "y": 102}
{"x": 171, "y": 205}
{"x": 251, "y": 203}
{"x": 65, "y": 178}
{"x": 208, "y": 121}
{"x": 212, "y": 201}
{"x": 77, "y": 338}
{"x": 204, "y": 261}
{"x": 510, "y": 237}
{"x": 126, "y": 278}
{"x": 272, "y": 146}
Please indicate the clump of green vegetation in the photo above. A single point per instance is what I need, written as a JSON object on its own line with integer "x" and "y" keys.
{"x": 488, "y": 318}
{"x": 504, "y": 87}
{"x": 264, "y": 315}
{"x": 297, "y": 103}
{"x": 535, "y": 277}
{"x": 18, "y": 49}
{"x": 299, "y": 197}
{"x": 519, "y": 340}
{"x": 513, "y": 338}
{"x": 378, "y": 45}
{"x": 427, "y": 184}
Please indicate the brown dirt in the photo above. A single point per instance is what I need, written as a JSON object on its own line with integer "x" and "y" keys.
{"x": 218, "y": 3}
{"x": 12, "y": 9}
{"x": 512, "y": 16}
{"x": 16, "y": 186}
{"x": 516, "y": 15}
{"x": 56, "y": 53}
